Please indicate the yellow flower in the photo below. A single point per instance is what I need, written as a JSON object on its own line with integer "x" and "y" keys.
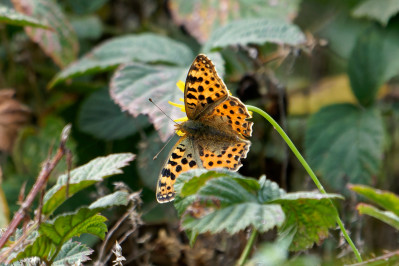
{"x": 180, "y": 84}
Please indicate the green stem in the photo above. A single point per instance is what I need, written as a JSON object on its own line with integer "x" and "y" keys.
{"x": 247, "y": 248}
{"x": 310, "y": 172}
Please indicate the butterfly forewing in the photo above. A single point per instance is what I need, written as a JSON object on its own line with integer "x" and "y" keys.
{"x": 181, "y": 159}
{"x": 204, "y": 88}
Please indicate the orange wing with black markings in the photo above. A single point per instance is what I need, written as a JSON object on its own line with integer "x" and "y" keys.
{"x": 180, "y": 160}
{"x": 204, "y": 88}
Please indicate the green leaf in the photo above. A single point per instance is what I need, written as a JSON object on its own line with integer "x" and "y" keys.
{"x": 61, "y": 44}
{"x": 269, "y": 190}
{"x": 66, "y": 226}
{"x": 102, "y": 118}
{"x": 385, "y": 199}
{"x": 189, "y": 183}
{"x": 230, "y": 203}
{"x": 345, "y": 143}
{"x": 255, "y": 31}
{"x": 148, "y": 48}
{"x": 84, "y": 176}
{"x": 41, "y": 247}
{"x": 10, "y": 16}
{"x": 374, "y": 10}
{"x": 373, "y": 62}
{"x": 202, "y": 17}
{"x": 115, "y": 199}
{"x": 71, "y": 252}
{"x": 312, "y": 214}
{"x": 385, "y": 216}
{"x": 237, "y": 217}
{"x": 133, "y": 84}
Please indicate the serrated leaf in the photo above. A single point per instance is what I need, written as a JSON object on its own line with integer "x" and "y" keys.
{"x": 385, "y": 199}
{"x": 385, "y": 216}
{"x": 231, "y": 202}
{"x": 374, "y": 10}
{"x": 237, "y": 217}
{"x": 255, "y": 31}
{"x": 102, "y": 118}
{"x": 84, "y": 176}
{"x": 373, "y": 62}
{"x": 10, "y": 16}
{"x": 61, "y": 44}
{"x": 66, "y": 226}
{"x": 115, "y": 199}
{"x": 201, "y": 17}
{"x": 133, "y": 84}
{"x": 345, "y": 143}
{"x": 41, "y": 247}
{"x": 269, "y": 190}
{"x": 148, "y": 48}
{"x": 189, "y": 183}
{"x": 311, "y": 213}
{"x": 72, "y": 252}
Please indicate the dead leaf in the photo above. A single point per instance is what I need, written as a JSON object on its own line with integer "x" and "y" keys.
{"x": 13, "y": 115}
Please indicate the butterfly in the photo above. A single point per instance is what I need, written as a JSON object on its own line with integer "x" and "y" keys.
{"x": 215, "y": 132}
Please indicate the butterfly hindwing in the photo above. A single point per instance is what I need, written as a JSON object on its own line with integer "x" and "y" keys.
{"x": 181, "y": 159}
{"x": 231, "y": 113}
{"x": 223, "y": 155}
{"x": 204, "y": 88}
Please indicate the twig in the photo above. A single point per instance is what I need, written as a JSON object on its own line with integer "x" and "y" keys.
{"x": 41, "y": 181}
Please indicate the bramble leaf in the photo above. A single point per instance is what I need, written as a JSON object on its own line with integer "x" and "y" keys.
{"x": 373, "y": 62}
{"x": 345, "y": 143}
{"x": 374, "y": 10}
{"x": 255, "y": 31}
{"x": 312, "y": 214}
{"x": 148, "y": 48}
{"x": 102, "y": 118}
{"x": 10, "y": 16}
{"x": 200, "y": 18}
{"x": 66, "y": 226}
{"x": 227, "y": 200}
{"x": 41, "y": 247}
{"x": 84, "y": 176}
{"x": 62, "y": 43}
{"x": 71, "y": 252}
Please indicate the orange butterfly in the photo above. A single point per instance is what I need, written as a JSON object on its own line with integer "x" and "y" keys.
{"x": 215, "y": 133}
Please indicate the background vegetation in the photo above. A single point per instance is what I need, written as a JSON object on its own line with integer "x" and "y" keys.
{"x": 327, "y": 71}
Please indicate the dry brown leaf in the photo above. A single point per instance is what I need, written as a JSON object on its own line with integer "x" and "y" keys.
{"x": 13, "y": 115}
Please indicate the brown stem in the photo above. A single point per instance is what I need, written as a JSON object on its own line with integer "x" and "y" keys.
{"x": 37, "y": 187}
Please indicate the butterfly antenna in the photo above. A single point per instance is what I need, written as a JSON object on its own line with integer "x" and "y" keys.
{"x": 156, "y": 156}
{"x": 162, "y": 111}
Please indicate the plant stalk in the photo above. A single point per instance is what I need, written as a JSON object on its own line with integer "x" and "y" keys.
{"x": 310, "y": 172}
{"x": 247, "y": 248}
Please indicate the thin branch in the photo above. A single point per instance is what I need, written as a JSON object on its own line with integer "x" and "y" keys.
{"x": 40, "y": 184}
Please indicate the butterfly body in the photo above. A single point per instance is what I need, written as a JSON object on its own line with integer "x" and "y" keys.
{"x": 215, "y": 133}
